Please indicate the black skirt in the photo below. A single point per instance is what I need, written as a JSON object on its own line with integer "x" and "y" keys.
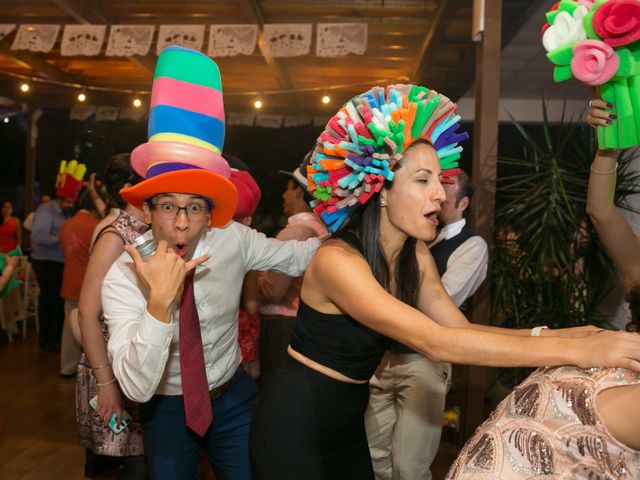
{"x": 310, "y": 427}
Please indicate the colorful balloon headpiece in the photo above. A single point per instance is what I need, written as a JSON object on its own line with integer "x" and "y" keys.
{"x": 598, "y": 43}
{"x": 186, "y": 135}
{"x": 69, "y": 179}
{"x": 365, "y": 140}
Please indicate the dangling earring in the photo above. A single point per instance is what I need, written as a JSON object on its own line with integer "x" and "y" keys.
{"x": 383, "y": 202}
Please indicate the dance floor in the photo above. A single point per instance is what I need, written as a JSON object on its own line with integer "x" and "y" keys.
{"x": 38, "y": 437}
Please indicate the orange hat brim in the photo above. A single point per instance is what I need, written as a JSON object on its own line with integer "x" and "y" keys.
{"x": 194, "y": 182}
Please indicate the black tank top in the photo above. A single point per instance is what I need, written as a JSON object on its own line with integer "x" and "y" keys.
{"x": 339, "y": 342}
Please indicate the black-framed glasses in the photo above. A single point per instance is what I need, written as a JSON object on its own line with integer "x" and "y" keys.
{"x": 171, "y": 210}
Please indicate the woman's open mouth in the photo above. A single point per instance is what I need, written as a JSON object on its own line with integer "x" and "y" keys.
{"x": 432, "y": 218}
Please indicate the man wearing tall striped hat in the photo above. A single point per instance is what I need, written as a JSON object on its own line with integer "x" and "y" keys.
{"x": 173, "y": 327}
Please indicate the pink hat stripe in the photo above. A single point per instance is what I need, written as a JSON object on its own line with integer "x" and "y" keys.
{"x": 150, "y": 154}
{"x": 187, "y": 96}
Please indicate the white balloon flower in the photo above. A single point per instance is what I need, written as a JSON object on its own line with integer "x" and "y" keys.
{"x": 567, "y": 29}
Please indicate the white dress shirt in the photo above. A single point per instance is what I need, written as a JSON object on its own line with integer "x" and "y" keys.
{"x": 144, "y": 350}
{"x": 467, "y": 265}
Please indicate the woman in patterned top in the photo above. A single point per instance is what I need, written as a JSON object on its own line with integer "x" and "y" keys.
{"x": 567, "y": 422}
{"x": 95, "y": 376}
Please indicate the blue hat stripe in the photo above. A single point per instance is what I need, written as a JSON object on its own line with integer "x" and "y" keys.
{"x": 168, "y": 119}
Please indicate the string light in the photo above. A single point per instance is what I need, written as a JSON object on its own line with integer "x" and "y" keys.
{"x": 326, "y": 99}
{"x": 82, "y": 97}
{"x": 5, "y": 119}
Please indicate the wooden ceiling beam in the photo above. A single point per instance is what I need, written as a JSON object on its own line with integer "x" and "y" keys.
{"x": 36, "y": 62}
{"x": 432, "y": 39}
{"x": 253, "y": 13}
{"x": 81, "y": 12}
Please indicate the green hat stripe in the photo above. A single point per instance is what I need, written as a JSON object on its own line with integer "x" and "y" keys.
{"x": 188, "y": 67}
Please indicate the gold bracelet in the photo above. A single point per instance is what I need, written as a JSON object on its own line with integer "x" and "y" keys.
{"x": 101, "y": 366}
{"x": 604, "y": 173}
{"x": 113, "y": 380}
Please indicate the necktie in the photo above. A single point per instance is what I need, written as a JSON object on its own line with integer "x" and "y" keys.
{"x": 195, "y": 388}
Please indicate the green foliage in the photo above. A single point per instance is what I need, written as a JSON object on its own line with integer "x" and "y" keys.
{"x": 548, "y": 267}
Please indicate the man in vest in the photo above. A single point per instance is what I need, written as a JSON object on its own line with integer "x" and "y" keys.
{"x": 404, "y": 418}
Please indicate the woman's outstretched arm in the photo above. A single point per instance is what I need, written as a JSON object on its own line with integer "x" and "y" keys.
{"x": 339, "y": 278}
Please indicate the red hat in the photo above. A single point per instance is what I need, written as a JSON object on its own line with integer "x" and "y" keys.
{"x": 69, "y": 180}
{"x": 248, "y": 193}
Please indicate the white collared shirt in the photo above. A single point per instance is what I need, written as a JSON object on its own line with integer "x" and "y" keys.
{"x": 467, "y": 265}
{"x": 144, "y": 351}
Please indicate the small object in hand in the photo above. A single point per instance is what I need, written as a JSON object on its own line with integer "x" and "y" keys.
{"x": 114, "y": 426}
{"x": 145, "y": 246}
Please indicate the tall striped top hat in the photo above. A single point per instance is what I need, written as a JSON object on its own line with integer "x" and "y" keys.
{"x": 186, "y": 134}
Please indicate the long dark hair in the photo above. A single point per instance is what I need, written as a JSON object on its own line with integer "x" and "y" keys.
{"x": 362, "y": 232}
{"x": 117, "y": 174}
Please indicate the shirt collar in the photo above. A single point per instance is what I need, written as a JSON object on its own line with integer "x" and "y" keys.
{"x": 450, "y": 231}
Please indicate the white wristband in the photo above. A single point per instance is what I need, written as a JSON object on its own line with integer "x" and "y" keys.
{"x": 537, "y": 331}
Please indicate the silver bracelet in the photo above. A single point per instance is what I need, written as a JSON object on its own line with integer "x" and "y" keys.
{"x": 113, "y": 380}
{"x": 604, "y": 173}
{"x": 537, "y": 331}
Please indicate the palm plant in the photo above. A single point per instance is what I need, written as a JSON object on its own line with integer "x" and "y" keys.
{"x": 548, "y": 267}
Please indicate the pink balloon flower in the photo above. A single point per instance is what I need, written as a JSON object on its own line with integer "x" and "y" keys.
{"x": 594, "y": 62}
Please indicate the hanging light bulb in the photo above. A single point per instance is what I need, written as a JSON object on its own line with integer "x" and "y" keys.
{"x": 257, "y": 104}
{"x": 326, "y": 99}
{"x": 5, "y": 119}
{"x": 137, "y": 102}
{"x": 82, "y": 97}
{"x": 24, "y": 87}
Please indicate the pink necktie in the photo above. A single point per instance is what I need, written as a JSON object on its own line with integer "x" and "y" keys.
{"x": 195, "y": 388}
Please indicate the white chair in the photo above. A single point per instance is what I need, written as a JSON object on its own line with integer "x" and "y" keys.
{"x": 30, "y": 295}
{"x": 31, "y": 291}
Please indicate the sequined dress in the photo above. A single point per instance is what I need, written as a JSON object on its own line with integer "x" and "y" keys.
{"x": 548, "y": 428}
{"x": 93, "y": 435}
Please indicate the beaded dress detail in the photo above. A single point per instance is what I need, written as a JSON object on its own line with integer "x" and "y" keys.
{"x": 548, "y": 428}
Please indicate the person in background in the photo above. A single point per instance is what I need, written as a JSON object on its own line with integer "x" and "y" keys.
{"x": 406, "y": 404}
{"x": 280, "y": 292}
{"x": 10, "y": 229}
{"x": 28, "y": 221}
{"x": 12, "y": 305}
{"x": 46, "y": 254}
{"x": 75, "y": 239}
{"x": 249, "y": 195}
{"x": 104, "y": 450}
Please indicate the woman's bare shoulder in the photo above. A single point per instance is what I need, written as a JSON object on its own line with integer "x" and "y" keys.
{"x": 335, "y": 249}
